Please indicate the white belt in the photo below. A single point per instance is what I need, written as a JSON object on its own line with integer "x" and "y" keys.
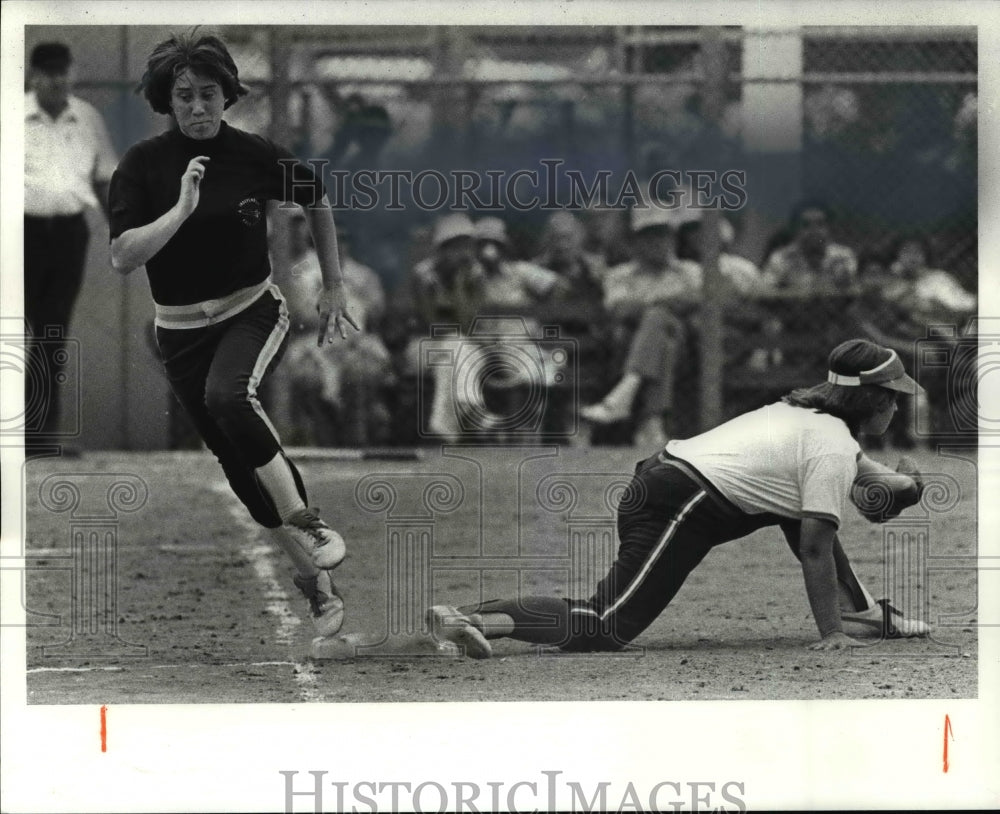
{"x": 203, "y": 314}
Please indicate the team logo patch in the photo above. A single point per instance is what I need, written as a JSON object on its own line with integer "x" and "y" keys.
{"x": 250, "y": 211}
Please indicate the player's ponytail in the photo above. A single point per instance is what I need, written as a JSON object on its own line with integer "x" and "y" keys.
{"x": 853, "y": 405}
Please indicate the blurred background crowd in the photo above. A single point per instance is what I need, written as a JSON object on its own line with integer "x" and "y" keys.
{"x": 596, "y": 324}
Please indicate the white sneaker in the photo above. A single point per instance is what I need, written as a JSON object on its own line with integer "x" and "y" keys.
{"x": 447, "y": 624}
{"x": 888, "y": 620}
{"x": 327, "y": 546}
{"x": 326, "y": 605}
{"x": 360, "y": 645}
{"x": 601, "y": 413}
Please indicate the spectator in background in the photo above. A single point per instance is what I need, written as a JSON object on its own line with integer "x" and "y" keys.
{"x": 930, "y": 292}
{"x": 562, "y": 251}
{"x": 655, "y": 293}
{"x": 741, "y": 274}
{"x": 513, "y": 288}
{"x": 606, "y": 235}
{"x": 873, "y": 266}
{"x": 338, "y": 392}
{"x": 364, "y": 126}
{"x": 905, "y": 296}
{"x": 742, "y": 278}
{"x": 506, "y": 281}
{"x": 811, "y": 262}
{"x": 578, "y": 309}
{"x": 446, "y": 289}
{"x": 68, "y": 164}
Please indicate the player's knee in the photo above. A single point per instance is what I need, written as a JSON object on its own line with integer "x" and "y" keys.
{"x": 224, "y": 400}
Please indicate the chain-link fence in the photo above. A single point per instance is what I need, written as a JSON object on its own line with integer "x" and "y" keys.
{"x": 874, "y": 127}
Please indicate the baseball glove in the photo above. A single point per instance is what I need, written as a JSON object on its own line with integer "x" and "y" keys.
{"x": 881, "y": 496}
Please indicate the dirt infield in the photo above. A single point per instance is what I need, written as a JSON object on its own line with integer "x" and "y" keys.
{"x": 206, "y": 611}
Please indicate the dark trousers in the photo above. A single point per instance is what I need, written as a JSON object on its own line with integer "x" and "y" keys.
{"x": 55, "y": 253}
{"x": 667, "y": 523}
{"x": 215, "y": 373}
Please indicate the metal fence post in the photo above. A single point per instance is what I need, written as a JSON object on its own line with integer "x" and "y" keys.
{"x": 713, "y": 54}
{"x": 772, "y": 131}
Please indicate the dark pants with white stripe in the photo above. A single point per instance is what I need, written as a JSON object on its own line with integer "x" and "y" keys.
{"x": 667, "y": 522}
{"x": 215, "y": 372}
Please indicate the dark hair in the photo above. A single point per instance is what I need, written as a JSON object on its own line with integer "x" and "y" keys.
{"x": 51, "y": 57}
{"x": 853, "y": 405}
{"x": 206, "y": 56}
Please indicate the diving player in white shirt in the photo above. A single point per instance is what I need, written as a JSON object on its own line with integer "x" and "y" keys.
{"x": 790, "y": 464}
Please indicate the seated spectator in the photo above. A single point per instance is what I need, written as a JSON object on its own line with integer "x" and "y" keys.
{"x": 518, "y": 287}
{"x": 506, "y": 281}
{"x": 338, "y": 390}
{"x": 906, "y": 296}
{"x": 812, "y": 262}
{"x": 579, "y": 311}
{"x": 445, "y": 291}
{"x": 447, "y": 287}
{"x": 878, "y": 306}
{"x": 655, "y": 292}
{"x": 605, "y": 235}
{"x": 741, "y": 274}
{"x": 562, "y": 251}
{"x": 804, "y": 263}
{"x": 931, "y": 293}
{"x": 779, "y": 240}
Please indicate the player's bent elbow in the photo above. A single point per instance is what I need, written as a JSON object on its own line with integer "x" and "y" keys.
{"x": 120, "y": 260}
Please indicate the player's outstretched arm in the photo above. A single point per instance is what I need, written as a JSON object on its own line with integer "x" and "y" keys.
{"x": 820, "y": 573}
{"x": 333, "y": 298}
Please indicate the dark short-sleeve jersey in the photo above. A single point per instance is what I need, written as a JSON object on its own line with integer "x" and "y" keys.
{"x": 222, "y": 246}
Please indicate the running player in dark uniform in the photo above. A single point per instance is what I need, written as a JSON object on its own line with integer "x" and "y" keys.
{"x": 790, "y": 464}
{"x": 191, "y": 206}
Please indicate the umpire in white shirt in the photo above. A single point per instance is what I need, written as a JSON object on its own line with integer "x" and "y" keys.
{"x": 68, "y": 164}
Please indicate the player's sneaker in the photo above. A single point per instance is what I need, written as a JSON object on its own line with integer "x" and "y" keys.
{"x": 327, "y": 546}
{"x": 889, "y": 620}
{"x": 447, "y": 624}
{"x": 326, "y": 605}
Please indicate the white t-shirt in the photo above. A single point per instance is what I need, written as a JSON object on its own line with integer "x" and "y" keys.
{"x": 518, "y": 283}
{"x": 629, "y": 283}
{"x": 792, "y": 461}
{"x": 63, "y": 158}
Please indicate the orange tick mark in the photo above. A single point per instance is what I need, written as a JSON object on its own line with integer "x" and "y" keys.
{"x": 947, "y": 732}
{"x": 104, "y": 732}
